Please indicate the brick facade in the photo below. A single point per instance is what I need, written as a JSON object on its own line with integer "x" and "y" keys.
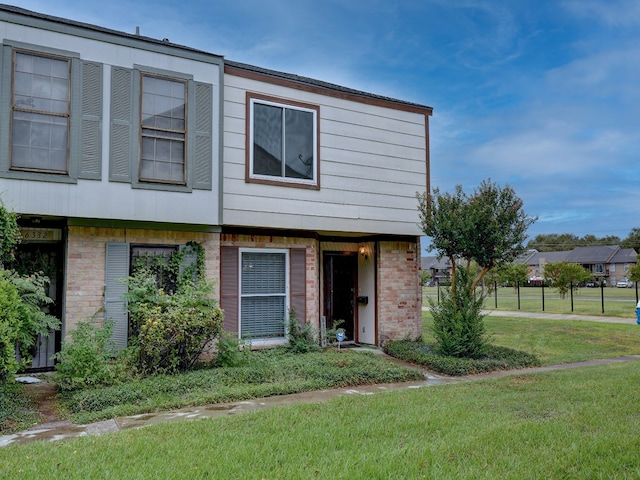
{"x": 399, "y": 304}
{"x": 85, "y": 269}
{"x": 312, "y": 277}
{"x": 399, "y": 291}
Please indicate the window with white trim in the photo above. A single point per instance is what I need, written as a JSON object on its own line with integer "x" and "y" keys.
{"x": 40, "y": 118}
{"x": 283, "y": 142}
{"x": 264, "y": 299}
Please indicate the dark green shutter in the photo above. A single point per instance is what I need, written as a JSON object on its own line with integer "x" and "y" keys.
{"x": 115, "y": 306}
{"x": 201, "y": 136}
{"x": 91, "y": 142}
{"x": 122, "y": 125}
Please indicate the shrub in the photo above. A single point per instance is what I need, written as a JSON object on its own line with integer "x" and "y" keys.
{"x": 457, "y": 321}
{"x": 302, "y": 337}
{"x": 173, "y": 317}
{"x": 232, "y": 352}
{"x": 88, "y": 360}
{"x": 494, "y": 358}
{"x": 22, "y": 319}
{"x": 9, "y": 327}
{"x": 174, "y": 330}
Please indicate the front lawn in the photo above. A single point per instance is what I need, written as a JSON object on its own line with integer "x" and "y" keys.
{"x": 266, "y": 373}
{"x": 557, "y": 341}
{"x": 572, "y": 424}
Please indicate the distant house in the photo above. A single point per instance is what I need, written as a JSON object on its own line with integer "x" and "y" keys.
{"x": 302, "y": 192}
{"x": 608, "y": 263}
{"x": 439, "y": 268}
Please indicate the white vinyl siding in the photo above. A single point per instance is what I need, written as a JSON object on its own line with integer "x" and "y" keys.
{"x": 372, "y": 161}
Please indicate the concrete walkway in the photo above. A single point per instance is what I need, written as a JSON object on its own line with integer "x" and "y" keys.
{"x": 61, "y": 430}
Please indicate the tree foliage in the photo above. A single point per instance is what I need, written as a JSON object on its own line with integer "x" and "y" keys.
{"x": 564, "y": 276}
{"x": 476, "y": 232}
{"x": 23, "y": 301}
{"x": 459, "y": 332}
{"x": 510, "y": 274}
{"x": 487, "y": 227}
{"x": 558, "y": 242}
{"x": 634, "y": 273}
{"x": 632, "y": 240}
{"x": 9, "y": 234}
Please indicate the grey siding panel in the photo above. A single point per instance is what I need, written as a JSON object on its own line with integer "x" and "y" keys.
{"x": 91, "y": 144}
{"x": 298, "y": 279}
{"x": 122, "y": 137}
{"x": 115, "y": 306}
{"x": 229, "y": 287}
{"x": 202, "y": 150}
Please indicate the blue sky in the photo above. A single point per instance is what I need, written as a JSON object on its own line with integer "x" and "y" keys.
{"x": 543, "y": 96}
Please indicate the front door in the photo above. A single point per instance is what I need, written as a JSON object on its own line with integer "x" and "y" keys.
{"x": 48, "y": 259}
{"x": 340, "y": 277}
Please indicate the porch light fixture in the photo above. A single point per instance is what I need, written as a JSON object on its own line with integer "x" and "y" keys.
{"x": 363, "y": 251}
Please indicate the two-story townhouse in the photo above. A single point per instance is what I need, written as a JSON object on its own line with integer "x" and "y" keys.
{"x": 109, "y": 146}
{"x": 301, "y": 192}
{"x": 319, "y": 192}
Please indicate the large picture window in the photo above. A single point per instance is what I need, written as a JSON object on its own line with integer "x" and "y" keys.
{"x": 163, "y": 129}
{"x": 40, "y": 118}
{"x": 263, "y": 293}
{"x": 283, "y": 142}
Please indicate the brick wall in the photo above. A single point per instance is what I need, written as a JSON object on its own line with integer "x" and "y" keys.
{"x": 399, "y": 292}
{"x": 269, "y": 241}
{"x": 85, "y": 269}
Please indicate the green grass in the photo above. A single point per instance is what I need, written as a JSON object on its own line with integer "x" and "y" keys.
{"x": 558, "y": 341}
{"x": 268, "y": 373}
{"x": 618, "y": 302}
{"x": 575, "y": 424}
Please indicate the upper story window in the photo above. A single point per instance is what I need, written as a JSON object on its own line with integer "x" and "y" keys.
{"x": 40, "y": 113}
{"x": 283, "y": 142}
{"x": 163, "y": 133}
{"x": 52, "y": 113}
{"x": 163, "y": 130}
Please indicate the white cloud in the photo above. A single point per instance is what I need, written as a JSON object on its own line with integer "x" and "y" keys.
{"x": 616, "y": 13}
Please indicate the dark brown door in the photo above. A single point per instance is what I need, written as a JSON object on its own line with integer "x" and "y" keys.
{"x": 340, "y": 276}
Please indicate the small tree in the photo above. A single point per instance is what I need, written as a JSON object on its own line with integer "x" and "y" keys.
{"x": 511, "y": 274}
{"x": 564, "y": 276}
{"x": 485, "y": 229}
{"x": 634, "y": 273}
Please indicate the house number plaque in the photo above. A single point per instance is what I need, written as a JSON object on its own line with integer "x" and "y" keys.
{"x": 40, "y": 234}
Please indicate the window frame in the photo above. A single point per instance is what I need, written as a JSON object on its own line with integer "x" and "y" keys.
{"x": 285, "y": 294}
{"x": 184, "y": 132}
{"x": 250, "y": 177}
{"x": 85, "y": 115}
{"x": 14, "y": 108}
